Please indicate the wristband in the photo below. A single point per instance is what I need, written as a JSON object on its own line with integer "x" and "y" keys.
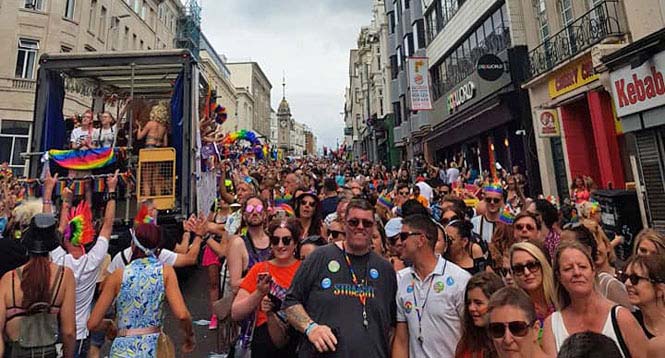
{"x": 310, "y": 327}
{"x": 47, "y": 202}
{"x": 110, "y": 196}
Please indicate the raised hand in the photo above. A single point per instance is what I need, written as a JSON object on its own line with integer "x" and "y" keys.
{"x": 112, "y": 182}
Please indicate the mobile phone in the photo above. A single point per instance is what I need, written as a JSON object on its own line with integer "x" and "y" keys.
{"x": 263, "y": 275}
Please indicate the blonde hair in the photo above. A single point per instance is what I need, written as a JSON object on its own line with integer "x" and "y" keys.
{"x": 588, "y": 208}
{"x": 546, "y": 268}
{"x": 160, "y": 113}
{"x": 600, "y": 237}
{"x": 657, "y": 238}
{"x": 24, "y": 212}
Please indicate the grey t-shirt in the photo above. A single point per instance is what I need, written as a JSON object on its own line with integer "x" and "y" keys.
{"x": 324, "y": 286}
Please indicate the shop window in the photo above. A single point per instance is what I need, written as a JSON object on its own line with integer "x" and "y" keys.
{"x": 26, "y": 58}
{"x": 14, "y": 136}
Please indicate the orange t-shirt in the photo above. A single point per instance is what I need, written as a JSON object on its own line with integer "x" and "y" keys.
{"x": 281, "y": 281}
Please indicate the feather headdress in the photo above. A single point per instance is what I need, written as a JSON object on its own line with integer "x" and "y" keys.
{"x": 80, "y": 231}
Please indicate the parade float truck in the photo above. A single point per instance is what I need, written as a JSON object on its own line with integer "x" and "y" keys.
{"x": 128, "y": 85}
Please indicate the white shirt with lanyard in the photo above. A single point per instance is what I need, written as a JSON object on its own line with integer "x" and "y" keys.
{"x": 432, "y": 308}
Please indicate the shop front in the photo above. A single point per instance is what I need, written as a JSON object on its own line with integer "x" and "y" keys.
{"x": 577, "y": 133}
{"x": 480, "y": 123}
{"x": 638, "y": 89}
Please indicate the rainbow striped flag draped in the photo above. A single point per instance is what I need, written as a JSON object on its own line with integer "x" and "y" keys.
{"x": 83, "y": 159}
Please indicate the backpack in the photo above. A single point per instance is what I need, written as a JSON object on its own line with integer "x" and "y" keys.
{"x": 39, "y": 324}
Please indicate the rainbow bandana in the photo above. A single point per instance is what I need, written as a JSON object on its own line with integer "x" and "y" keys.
{"x": 494, "y": 187}
{"x": 80, "y": 231}
{"x": 82, "y": 159}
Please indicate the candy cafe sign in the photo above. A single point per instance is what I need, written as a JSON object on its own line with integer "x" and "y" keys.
{"x": 638, "y": 89}
{"x": 572, "y": 77}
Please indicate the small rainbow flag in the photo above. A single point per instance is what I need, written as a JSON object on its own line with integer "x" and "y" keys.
{"x": 385, "y": 201}
{"x": 507, "y": 216}
{"x": 83, "y": 159}
{"x": 287, "y": 209}
{"x": 283, "y": 199}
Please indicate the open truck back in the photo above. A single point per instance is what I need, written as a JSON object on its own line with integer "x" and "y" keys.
{"x": 94, "y": 80}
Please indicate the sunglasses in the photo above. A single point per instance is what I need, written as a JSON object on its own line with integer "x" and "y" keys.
{"x": 634, "y": 278}
{"x": 405, "y": 235}
{"x": 528, "y": 227}
{"x": 405, "y": 193}
{"x": 311, "y": 204}
{"x": 254, "y": 209}
{"x": 532, "y": 266}
{"x": 335, "y": 233}
{"x": 366, "y": 224}
{"x": 286, "y": 240}
{"x": 497, "y": 330}
{"x": 493, "y": 200}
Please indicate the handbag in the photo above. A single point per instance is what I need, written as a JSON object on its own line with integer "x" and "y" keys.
{"x": 165, "y": 347}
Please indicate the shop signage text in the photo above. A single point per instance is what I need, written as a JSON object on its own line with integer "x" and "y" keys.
{"x": 639, "y": 89}
{"x": 461, "y": 96}
{"x": 490, "y": 67}
{"x": 572, "y": 77}
{"x": 419, "y": 84}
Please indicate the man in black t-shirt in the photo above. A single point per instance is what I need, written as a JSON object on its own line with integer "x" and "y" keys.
{"x": 329, "y": 203}
{"x": 343, "y": 296}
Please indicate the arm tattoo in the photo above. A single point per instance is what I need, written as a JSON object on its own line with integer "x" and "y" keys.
{"x": 297, "y": 317}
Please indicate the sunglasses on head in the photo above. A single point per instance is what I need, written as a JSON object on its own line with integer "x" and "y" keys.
{"x": 521, "y": 227}
{"x": 254, "y": 208}
{"x": 367, "y": 224}
{"x": 286, "y": 240}
{"x": 634, "y": 278}
{"x": 497, "y": 330}
{"x": 335, "y": 233}
{"x": 532, "y": 266}
{"x": 492, "y": 200}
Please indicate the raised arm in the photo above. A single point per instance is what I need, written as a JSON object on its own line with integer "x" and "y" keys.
{"x": 49, "y": 184}
{"x": 109, "y": 213}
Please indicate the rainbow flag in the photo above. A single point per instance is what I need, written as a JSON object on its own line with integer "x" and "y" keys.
{"x": 83, "y": 159}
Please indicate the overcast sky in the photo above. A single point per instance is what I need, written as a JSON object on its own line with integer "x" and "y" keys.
{"x": 308, "y": 39}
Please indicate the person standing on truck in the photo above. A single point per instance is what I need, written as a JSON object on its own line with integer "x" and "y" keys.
{"x": 81, "y": 137}
{"x": 155, "y": 130}
{"x": 104, "y": 136}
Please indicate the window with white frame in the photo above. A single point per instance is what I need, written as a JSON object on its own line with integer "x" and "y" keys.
{"x": 26, "y": 58}
{"x": 69, "y": 9}
{"x": 566, "y": 12}
{"x": 34, "y": 5}
{"x": 14, "y": 137}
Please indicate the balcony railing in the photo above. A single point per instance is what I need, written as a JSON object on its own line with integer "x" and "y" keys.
{"x": 23, "y": 84}
{"x": 597, "y": 24}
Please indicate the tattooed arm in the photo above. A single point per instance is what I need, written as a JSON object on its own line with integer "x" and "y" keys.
{"x": 319, "y": 335}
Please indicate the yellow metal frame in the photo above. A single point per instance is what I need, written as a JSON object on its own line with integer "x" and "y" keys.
{"x": 157, "y": 155}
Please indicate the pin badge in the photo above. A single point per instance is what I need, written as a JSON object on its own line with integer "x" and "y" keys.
{"x": 438, "y": 287}
{"x": 326, "y": 283}
{"x": 374, "y": 273}
{"x": 450, "y": 281}
{"x": 333, "y": 266}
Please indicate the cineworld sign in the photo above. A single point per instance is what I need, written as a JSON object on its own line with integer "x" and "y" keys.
{"x": 461, "y": 96}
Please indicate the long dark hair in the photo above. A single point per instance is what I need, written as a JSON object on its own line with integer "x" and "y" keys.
{"x": 475, "y": 339}
{"x": 36, "y": 280}
{"x": 315, "y": 225}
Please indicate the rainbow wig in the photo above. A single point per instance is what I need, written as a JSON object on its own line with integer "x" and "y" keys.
{"x": 80, "y": 231}
{"x": 142, "y": 217}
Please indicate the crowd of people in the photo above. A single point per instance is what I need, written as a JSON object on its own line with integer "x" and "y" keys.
{"x": 320, "y": 256}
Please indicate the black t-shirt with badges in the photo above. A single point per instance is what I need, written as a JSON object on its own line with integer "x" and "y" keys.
{"x": 324, "y": 286}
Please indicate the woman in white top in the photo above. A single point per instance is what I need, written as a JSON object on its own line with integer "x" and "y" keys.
{"x": 105, "y": 136}
{"x": 582, "y": 308}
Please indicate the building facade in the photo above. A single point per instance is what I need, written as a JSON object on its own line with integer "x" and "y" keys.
{"x": 576, "y": 128}
{"x": 213, "y": 66}
{"x": 310, "y": 142}
{"x": 481, "y": 117}
{"x": 406, "y": 38}
{"x": 250, "y": 77}
{"x": 32, "y": 28}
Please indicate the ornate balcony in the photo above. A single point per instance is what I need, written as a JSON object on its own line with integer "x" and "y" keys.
{"x": 600, "y": 23}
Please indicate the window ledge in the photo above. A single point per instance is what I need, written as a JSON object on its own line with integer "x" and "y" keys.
{"x": 31, "y": 11}
{"x": 70, "y": 20}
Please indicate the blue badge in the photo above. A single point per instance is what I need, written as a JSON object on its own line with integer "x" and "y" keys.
{"x": 450, "y": 281}
{"x": 374, "y": 273}
{"x": 326, "y": 283}
{"x": 409, "y": 289}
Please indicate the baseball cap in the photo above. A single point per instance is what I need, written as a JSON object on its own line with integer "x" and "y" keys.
{"x": 393, "y": 227}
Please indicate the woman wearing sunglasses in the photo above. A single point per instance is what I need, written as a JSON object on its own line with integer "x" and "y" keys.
{"x": 645, "y": 281}
{"x": 583, "y": 308}
{"x": 462, "y": 251}
{"x": 533, "y": 274}
{"x": 512, "y": 324}
{"x": 263, "y": 290}
{"x": 474, "y": 341}
{"x": 309, "y": 214}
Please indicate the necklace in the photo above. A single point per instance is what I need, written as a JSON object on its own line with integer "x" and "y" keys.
{"x": 362, "y": 296}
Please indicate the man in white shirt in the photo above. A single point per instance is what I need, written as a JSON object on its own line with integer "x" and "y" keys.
{"x": 81, "y": 137}
{"x": 485, "y": 225}
{"x": 452, "y": 173}
{"x": 430, "y": 295}
{"x": 84, "y": 265}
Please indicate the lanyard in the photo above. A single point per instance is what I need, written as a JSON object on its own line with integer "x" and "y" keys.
{"x": 421, "y": 310}
{"x": 362, "y": 297}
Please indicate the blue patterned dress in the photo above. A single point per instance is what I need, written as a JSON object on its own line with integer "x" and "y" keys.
{"x": 139, "y": 305}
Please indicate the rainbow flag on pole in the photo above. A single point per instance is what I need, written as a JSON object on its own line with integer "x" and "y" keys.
{"x": 83, "y": 159}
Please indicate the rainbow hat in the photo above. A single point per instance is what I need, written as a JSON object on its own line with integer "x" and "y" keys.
{"x": 494, "y": 187}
